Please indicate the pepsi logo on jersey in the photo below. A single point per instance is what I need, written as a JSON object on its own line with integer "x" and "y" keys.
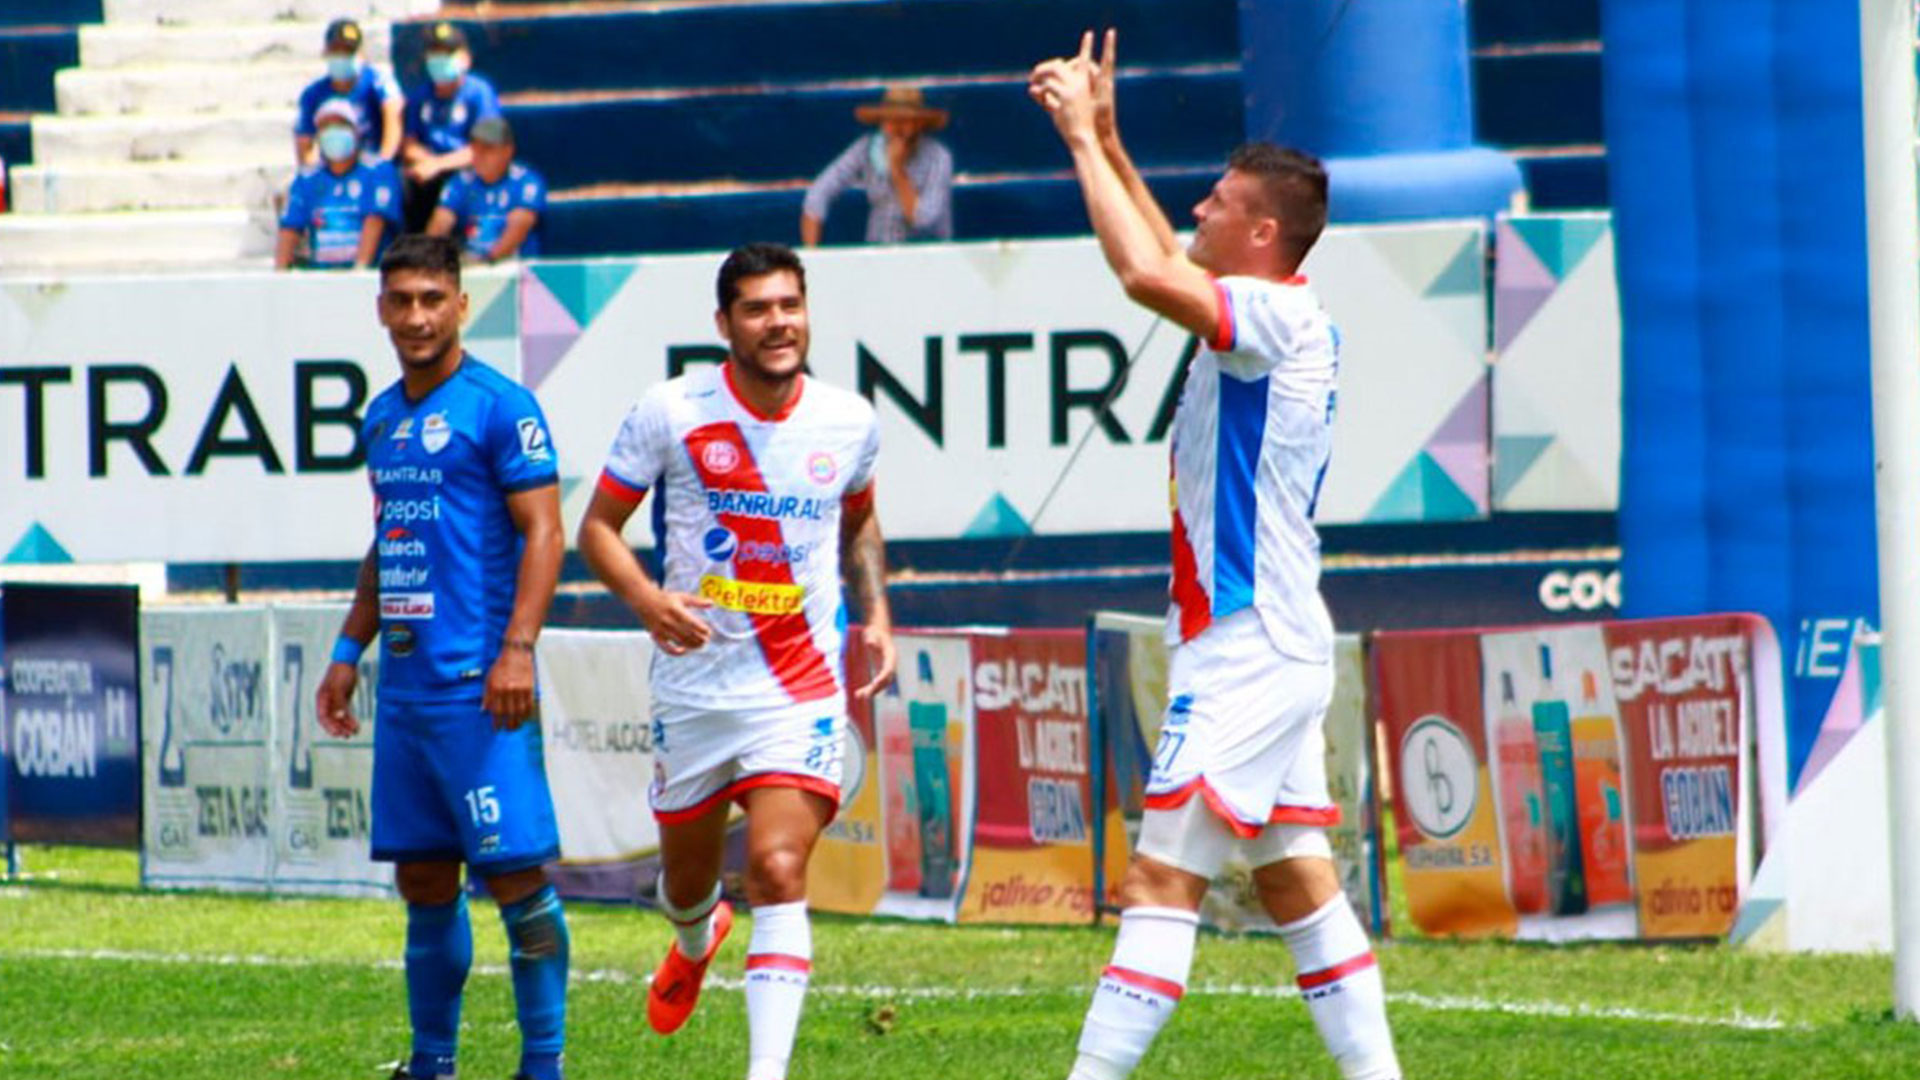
{"x": 719, "y": 544}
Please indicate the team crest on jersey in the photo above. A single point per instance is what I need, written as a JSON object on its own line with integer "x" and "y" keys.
{"x": 435, "y": 432}
{"x": 720, "y": 457}
{"x": 821, "y": 467}
{"x": 353, "y": 189}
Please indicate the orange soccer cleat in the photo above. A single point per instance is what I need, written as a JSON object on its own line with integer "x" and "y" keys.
{"x": 676, "y": 984}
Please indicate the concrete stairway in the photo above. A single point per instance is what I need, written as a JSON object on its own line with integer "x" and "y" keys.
{"x": 172, "y": 145}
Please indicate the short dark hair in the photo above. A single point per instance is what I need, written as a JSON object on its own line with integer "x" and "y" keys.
{"x": 753, "y": 260}
{"x": 1296, "y": 188}
{"x": 418, "y": 251}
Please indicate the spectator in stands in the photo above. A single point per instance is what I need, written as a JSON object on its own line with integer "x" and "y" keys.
{"x": 343, "y": 211}
{"x": 371, "y": 90}
{"x": 906, "y": 173}
{"x": 440, "y": 119}
{"x": 492, "y": 207}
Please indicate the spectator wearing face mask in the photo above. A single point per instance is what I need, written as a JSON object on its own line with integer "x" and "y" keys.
{"x": 370, "y": 90}
{"x": 440, "y": 119}
{"x": 342, "y": 212}
{"x": 493, "y": 207}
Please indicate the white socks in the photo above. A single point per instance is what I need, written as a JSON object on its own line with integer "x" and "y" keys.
{"x": 693, "y": 927}
{"x": 1137, "y": 992}
{"x": 1341, "y": 985}
{"x": 779, "y": 962}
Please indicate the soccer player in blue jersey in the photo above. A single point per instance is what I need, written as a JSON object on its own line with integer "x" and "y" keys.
{"x": 340, "y": 213}
{"x": 370, "y": 90}
{"x": 466, "y": 551}
{"x": 493, "y": 207}
{"x": 440, "y": 119}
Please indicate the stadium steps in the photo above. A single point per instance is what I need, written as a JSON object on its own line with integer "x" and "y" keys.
{"x": 170, "y": 239}
{"x": 138, "y": 45}
{"x": 216, "y": 12}
{"x": 170, "y": 141}
{"x": 1537, "y": 95}
{"x": 641, "y": 117}
{"x": 163, "y": 185}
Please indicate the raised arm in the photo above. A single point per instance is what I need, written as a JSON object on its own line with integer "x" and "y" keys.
{"x": 1107, "y": 125}
{"x": 1154, "y": 277}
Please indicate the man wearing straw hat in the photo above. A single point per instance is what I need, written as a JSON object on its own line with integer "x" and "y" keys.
{"x": 906, "y": 173}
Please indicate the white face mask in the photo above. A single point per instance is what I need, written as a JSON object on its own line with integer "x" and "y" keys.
{"x": 338, "y": 142}
{"x": 342, "y": 68}
{"x": 444, "y": 68}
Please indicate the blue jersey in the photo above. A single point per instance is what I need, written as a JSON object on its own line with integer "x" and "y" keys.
{"x": 480, "y": 209}
{"x": 441, "y": 124}
{"x": 446, "y": 548}
{"x": 371, "y": 89}
{"x": 330, "y": 208}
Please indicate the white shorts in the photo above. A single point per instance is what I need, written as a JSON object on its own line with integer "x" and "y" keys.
{"x": 1194, "y": 838}
{"x": 704, "y": 757}
{"x": 1244, "y": 731}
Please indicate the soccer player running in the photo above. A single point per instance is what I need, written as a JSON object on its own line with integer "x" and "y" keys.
{"x": 1241, "y": 751}
{"x": 466, "y": 552}
{"x": 767, "y": 477}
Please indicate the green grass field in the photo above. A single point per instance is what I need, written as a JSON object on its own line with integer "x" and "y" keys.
{"x": 100, "y": 979}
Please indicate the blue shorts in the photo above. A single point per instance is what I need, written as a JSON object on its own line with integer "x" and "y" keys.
{"x": 447, "y": 787}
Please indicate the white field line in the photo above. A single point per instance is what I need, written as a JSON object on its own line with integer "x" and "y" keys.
{"x": 1432, "y": 1002}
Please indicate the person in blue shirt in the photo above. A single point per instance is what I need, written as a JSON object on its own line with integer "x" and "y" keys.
{"x": 494, "y": 206}
{"x": 342, "y": 212}
{"x": 440, "y": 119}
{"x": 369, "y": 89}
{"x": 456, "y": 584}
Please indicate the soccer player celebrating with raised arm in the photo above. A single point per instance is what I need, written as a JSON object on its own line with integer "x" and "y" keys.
{"x": 1241, "y": 752}
{"x": 767, "y": 477}
{"x": 466, "y": 551}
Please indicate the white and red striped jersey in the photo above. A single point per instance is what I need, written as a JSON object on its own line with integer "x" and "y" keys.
{"x": 753, "y": 507}
{"x": 1251, "y": 441}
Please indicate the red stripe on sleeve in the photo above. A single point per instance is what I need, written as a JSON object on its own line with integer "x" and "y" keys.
{"x": 620, "y": 489}
{"x": 1223, "y": 327}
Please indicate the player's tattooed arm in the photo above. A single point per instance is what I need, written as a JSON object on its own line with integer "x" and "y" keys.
{"x": 863, "y": 555}
{"x": 863, "y": 561}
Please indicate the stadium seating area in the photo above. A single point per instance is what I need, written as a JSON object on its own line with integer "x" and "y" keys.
{"x": 155, "y": 131}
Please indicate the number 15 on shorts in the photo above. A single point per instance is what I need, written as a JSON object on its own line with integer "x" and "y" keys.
{"x": 483, "y": 806}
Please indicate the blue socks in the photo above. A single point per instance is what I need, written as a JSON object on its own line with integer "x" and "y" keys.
{"x": 439, "y": 952}
{"x": 537, "y": 936}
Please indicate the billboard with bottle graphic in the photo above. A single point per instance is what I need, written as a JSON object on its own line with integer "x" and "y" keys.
{"x": 1615, "y": 756}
